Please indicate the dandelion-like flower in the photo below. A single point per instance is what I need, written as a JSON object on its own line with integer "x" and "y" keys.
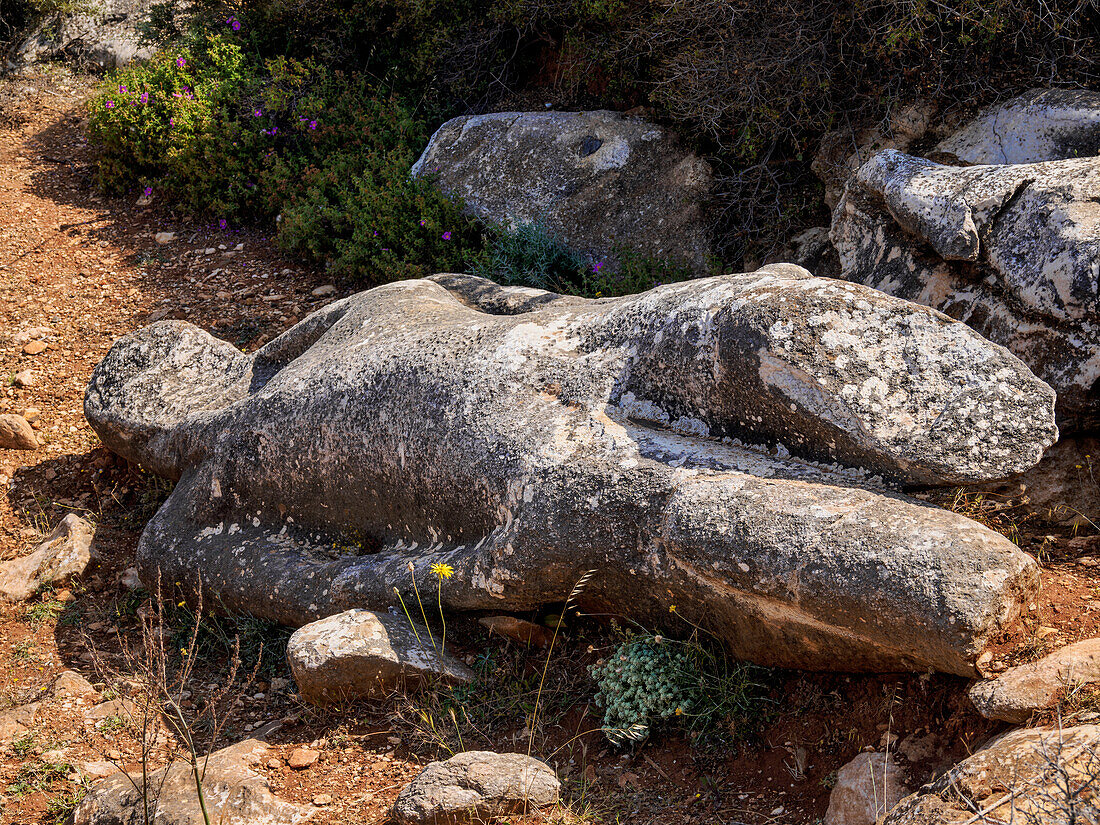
{"x": 110, "y": 104}
{"x": 447, "y": 235}
{"x": 442, "y": 571}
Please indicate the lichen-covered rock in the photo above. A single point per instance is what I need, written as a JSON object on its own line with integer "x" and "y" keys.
{"x": 65, "y": 553}
{"x": 474, "y": 785}
{"x": 597, "y": 180}
{"x": 104, "y": 34}
{"x": 234, "y": 792}
{"x": 358, "y": 654}
{"x": 1010, "y": 250}
{"x": 1023, "y": 690}
{"x": 411, "y": 425}
{"x": 865, "y": 791}
{"x": 1033, "y": 776}
{"x": 1042, "y": 124}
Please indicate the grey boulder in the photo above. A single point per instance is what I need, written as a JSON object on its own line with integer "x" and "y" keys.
{"x": 519, "y": 439}
{"x": 1042, "y": 124}
{"x": 234, "y": 792}
{"x": 359, "y": 654}
{"x": 474, "y": 785}
{"x": 65, "y": 553}
{"x": 601, "y": 182}
{"x": 107, "y": 36}
{"x": 1032, "y": 776}
{"x": 1011, "y": 250}
{"x": 1026, "y": 689}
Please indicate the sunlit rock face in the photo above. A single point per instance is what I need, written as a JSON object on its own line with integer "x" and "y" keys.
{"x": 521, "y": 439}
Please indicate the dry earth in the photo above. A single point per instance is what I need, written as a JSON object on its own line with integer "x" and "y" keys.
{"x": 83, "y": 270}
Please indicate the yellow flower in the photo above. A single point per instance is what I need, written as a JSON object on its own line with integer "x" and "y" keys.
{"x": 672, "y": 608}
{"x": 443, "y": 571}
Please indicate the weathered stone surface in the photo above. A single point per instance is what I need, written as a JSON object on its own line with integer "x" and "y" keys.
{"x": 358, "y": 654}
{"x": 1026, "y": 776}
{"x": 107, "y": 38}
{"x": 233, "y": 790}
{"x": 865, "y": 791}
{"x": 1043, "y": 124}
{"x": 71, "y": 685}
{"x": 16, "y": 722}
{"x": 411, "y": 426}
{"x": 1010, "y": 250}
{"x": 64, "y": 553}
{"x": 16, "y": 433}
{"x": 476, "y": 784}
{"x": 1023, "y": 690}
{"x": 596, "y": 180}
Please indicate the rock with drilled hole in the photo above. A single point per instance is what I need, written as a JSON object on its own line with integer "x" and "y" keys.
{"x": 65, "y": 553}
{"x": 492, "y": 445}
{"x": 475, "y": 785}
{"x": 1014, "y": 251}
{"x": 865, "y": 791}
{"x": 1042, "y": 124}
{"x": 601, "y": 182}
{"x": 1034, "y": 776}
{"x": 1026, "y": 689}
{"x": 359, "y": 654}
{"x": 234, "y": 791}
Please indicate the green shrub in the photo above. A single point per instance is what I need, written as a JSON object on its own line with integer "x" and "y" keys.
{"x": 650, "y": 680}
{"x": 646, "y": 680}
{"x": 231, "y": 137}
{"x": 530, "y": 255}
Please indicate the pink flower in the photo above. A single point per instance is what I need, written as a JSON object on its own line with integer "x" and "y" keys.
{"x": 110, "y": 104}
{"x": 144, "y": 97}
{"x": 122, "y": 90}
{"x": 181, "y": 62}
{"x": 447, "y": 235}
{"x": 223, "y": 224}
{"x": 313, "y": 124}
{"x": 148, "y": 191}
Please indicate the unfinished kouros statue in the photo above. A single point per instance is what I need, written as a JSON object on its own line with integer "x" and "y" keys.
{"x": 524, "y": 438}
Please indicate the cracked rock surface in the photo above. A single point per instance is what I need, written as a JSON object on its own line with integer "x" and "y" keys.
{"x": 523, "y": 438}
{"x": 1011, "y": 250}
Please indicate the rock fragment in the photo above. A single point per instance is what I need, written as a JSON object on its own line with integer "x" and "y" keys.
{"x": 473, "y": 785}
{"x": 16, "y": 433}
{"x": 234, "y": 792}
{"x": 65, "y": 553}
{"x": 360, "y": 654}
{"x": 1026, "y": 689}
{"x": 865, "y": 791}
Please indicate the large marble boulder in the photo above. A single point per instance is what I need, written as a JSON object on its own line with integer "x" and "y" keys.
{"x": 1043, "y": 124}
{"x": 508, "y": 441}
{"x": 1012, "y": 250}
{"x": 601, "y": 182}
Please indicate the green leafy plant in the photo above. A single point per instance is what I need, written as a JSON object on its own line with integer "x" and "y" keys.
{"x": 647, "y": 680}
